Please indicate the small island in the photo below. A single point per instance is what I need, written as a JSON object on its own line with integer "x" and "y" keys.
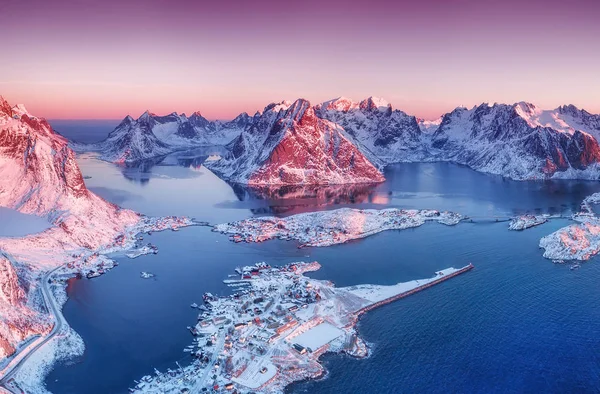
{"x": 524, "y": 222}
{"x": 332, "y": 227}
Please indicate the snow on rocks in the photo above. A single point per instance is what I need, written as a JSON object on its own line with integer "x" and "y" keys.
{"x": 579, "y": 241}
{"x": 327, "y": 228}
{"x": 273, "y": 334}
{"x": 295, "y": 147}
{"x": 527, "y": 221}
{"x": 152, "y": 136}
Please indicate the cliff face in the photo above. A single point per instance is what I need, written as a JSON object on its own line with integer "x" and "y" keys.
{"x": 40, "y": 176}
{"x": 291, "y": 145}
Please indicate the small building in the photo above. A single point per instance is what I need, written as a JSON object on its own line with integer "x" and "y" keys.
{"x": 299, "y": 348}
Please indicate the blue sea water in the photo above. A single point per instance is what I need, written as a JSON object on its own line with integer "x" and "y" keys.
{"x": 517, "y": 323}
{"x": 84, "y": 131}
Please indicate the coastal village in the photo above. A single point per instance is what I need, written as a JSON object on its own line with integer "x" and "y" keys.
{"x": 272, "y": 329}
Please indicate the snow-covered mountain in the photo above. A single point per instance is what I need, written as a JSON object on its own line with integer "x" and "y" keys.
{"x": 519, "y": 141}
{"x": 39, "y": 175}
{"x": 390, "y": 134}
{"x": 152, "y": 136}
{"x": 290, "y": 144}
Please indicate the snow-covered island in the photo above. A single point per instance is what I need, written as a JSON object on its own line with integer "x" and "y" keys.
{"x": 579, "y": 241}
{"x": 527, "y": 221}
{"x": 273, "y": 330}
{"x": 327, "y": 228}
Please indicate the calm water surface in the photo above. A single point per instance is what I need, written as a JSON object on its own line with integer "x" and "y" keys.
{"x": 517, "y": 323}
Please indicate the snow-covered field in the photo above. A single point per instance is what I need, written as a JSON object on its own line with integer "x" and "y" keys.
{"x": 327, "y": 228}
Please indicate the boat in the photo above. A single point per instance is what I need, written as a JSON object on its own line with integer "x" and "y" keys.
{"x": 146, "y": 275}
{"x": 93, "y": 274}
{"x": 574, "y": 267}
{"x": 194, "y": 305}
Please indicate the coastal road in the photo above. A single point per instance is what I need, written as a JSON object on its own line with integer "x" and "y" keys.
{"x": 19, "y": 359}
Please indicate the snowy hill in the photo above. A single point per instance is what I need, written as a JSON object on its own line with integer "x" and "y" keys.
{"x": 289, "y": 145}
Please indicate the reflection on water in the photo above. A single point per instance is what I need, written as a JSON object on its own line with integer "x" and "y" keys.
{"x": 142, "y": 171}
{"x": 305, "y": 198}
{"x": 442, "y": 186}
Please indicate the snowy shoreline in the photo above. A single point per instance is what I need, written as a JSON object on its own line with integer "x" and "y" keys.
{"x": 37, "y": 364}
{"x": 579, "y": 241}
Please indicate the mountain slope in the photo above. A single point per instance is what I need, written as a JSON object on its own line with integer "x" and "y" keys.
{"x": 40, "y": 176}
{"x": 290, "y": 145}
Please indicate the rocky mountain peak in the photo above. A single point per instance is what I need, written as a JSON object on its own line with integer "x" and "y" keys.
{"x": 375, "y": 103}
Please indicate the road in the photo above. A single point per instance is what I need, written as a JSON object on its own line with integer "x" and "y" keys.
{"x": 218, "y": 346}
{"x": 19, "y": 359}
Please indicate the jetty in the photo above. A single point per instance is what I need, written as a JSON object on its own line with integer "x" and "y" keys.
{"x": 442, "y": 277}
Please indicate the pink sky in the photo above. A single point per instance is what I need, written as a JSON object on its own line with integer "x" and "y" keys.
{"x": 101, "y": 59}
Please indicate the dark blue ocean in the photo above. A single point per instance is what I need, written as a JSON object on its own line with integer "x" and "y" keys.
{"x": 517, "y": 323}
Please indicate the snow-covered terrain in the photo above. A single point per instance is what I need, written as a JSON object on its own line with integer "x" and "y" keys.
{"x": 527, "y": 221}
{"x": 508, "y": 140}
{"x": 274, "y": 331}
{"x": 389, "y": 134}
{"x": 289, "y": 144}
{"x": 579, "y": 241}
{"x": 152, "y": 136}
{"x": 327, "y": 228}
{"x": 40, "y": 177}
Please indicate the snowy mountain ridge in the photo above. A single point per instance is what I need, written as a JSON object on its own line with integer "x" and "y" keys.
{"x": 519, "y": 141}
{"x": 290, "y": 145}
{"x": 152, "y": 136}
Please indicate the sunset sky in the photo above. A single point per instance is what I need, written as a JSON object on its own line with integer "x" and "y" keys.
{"x": 102, "y": 59}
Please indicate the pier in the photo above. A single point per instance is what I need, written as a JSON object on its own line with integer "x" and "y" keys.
{"x": 413, "y": 291}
